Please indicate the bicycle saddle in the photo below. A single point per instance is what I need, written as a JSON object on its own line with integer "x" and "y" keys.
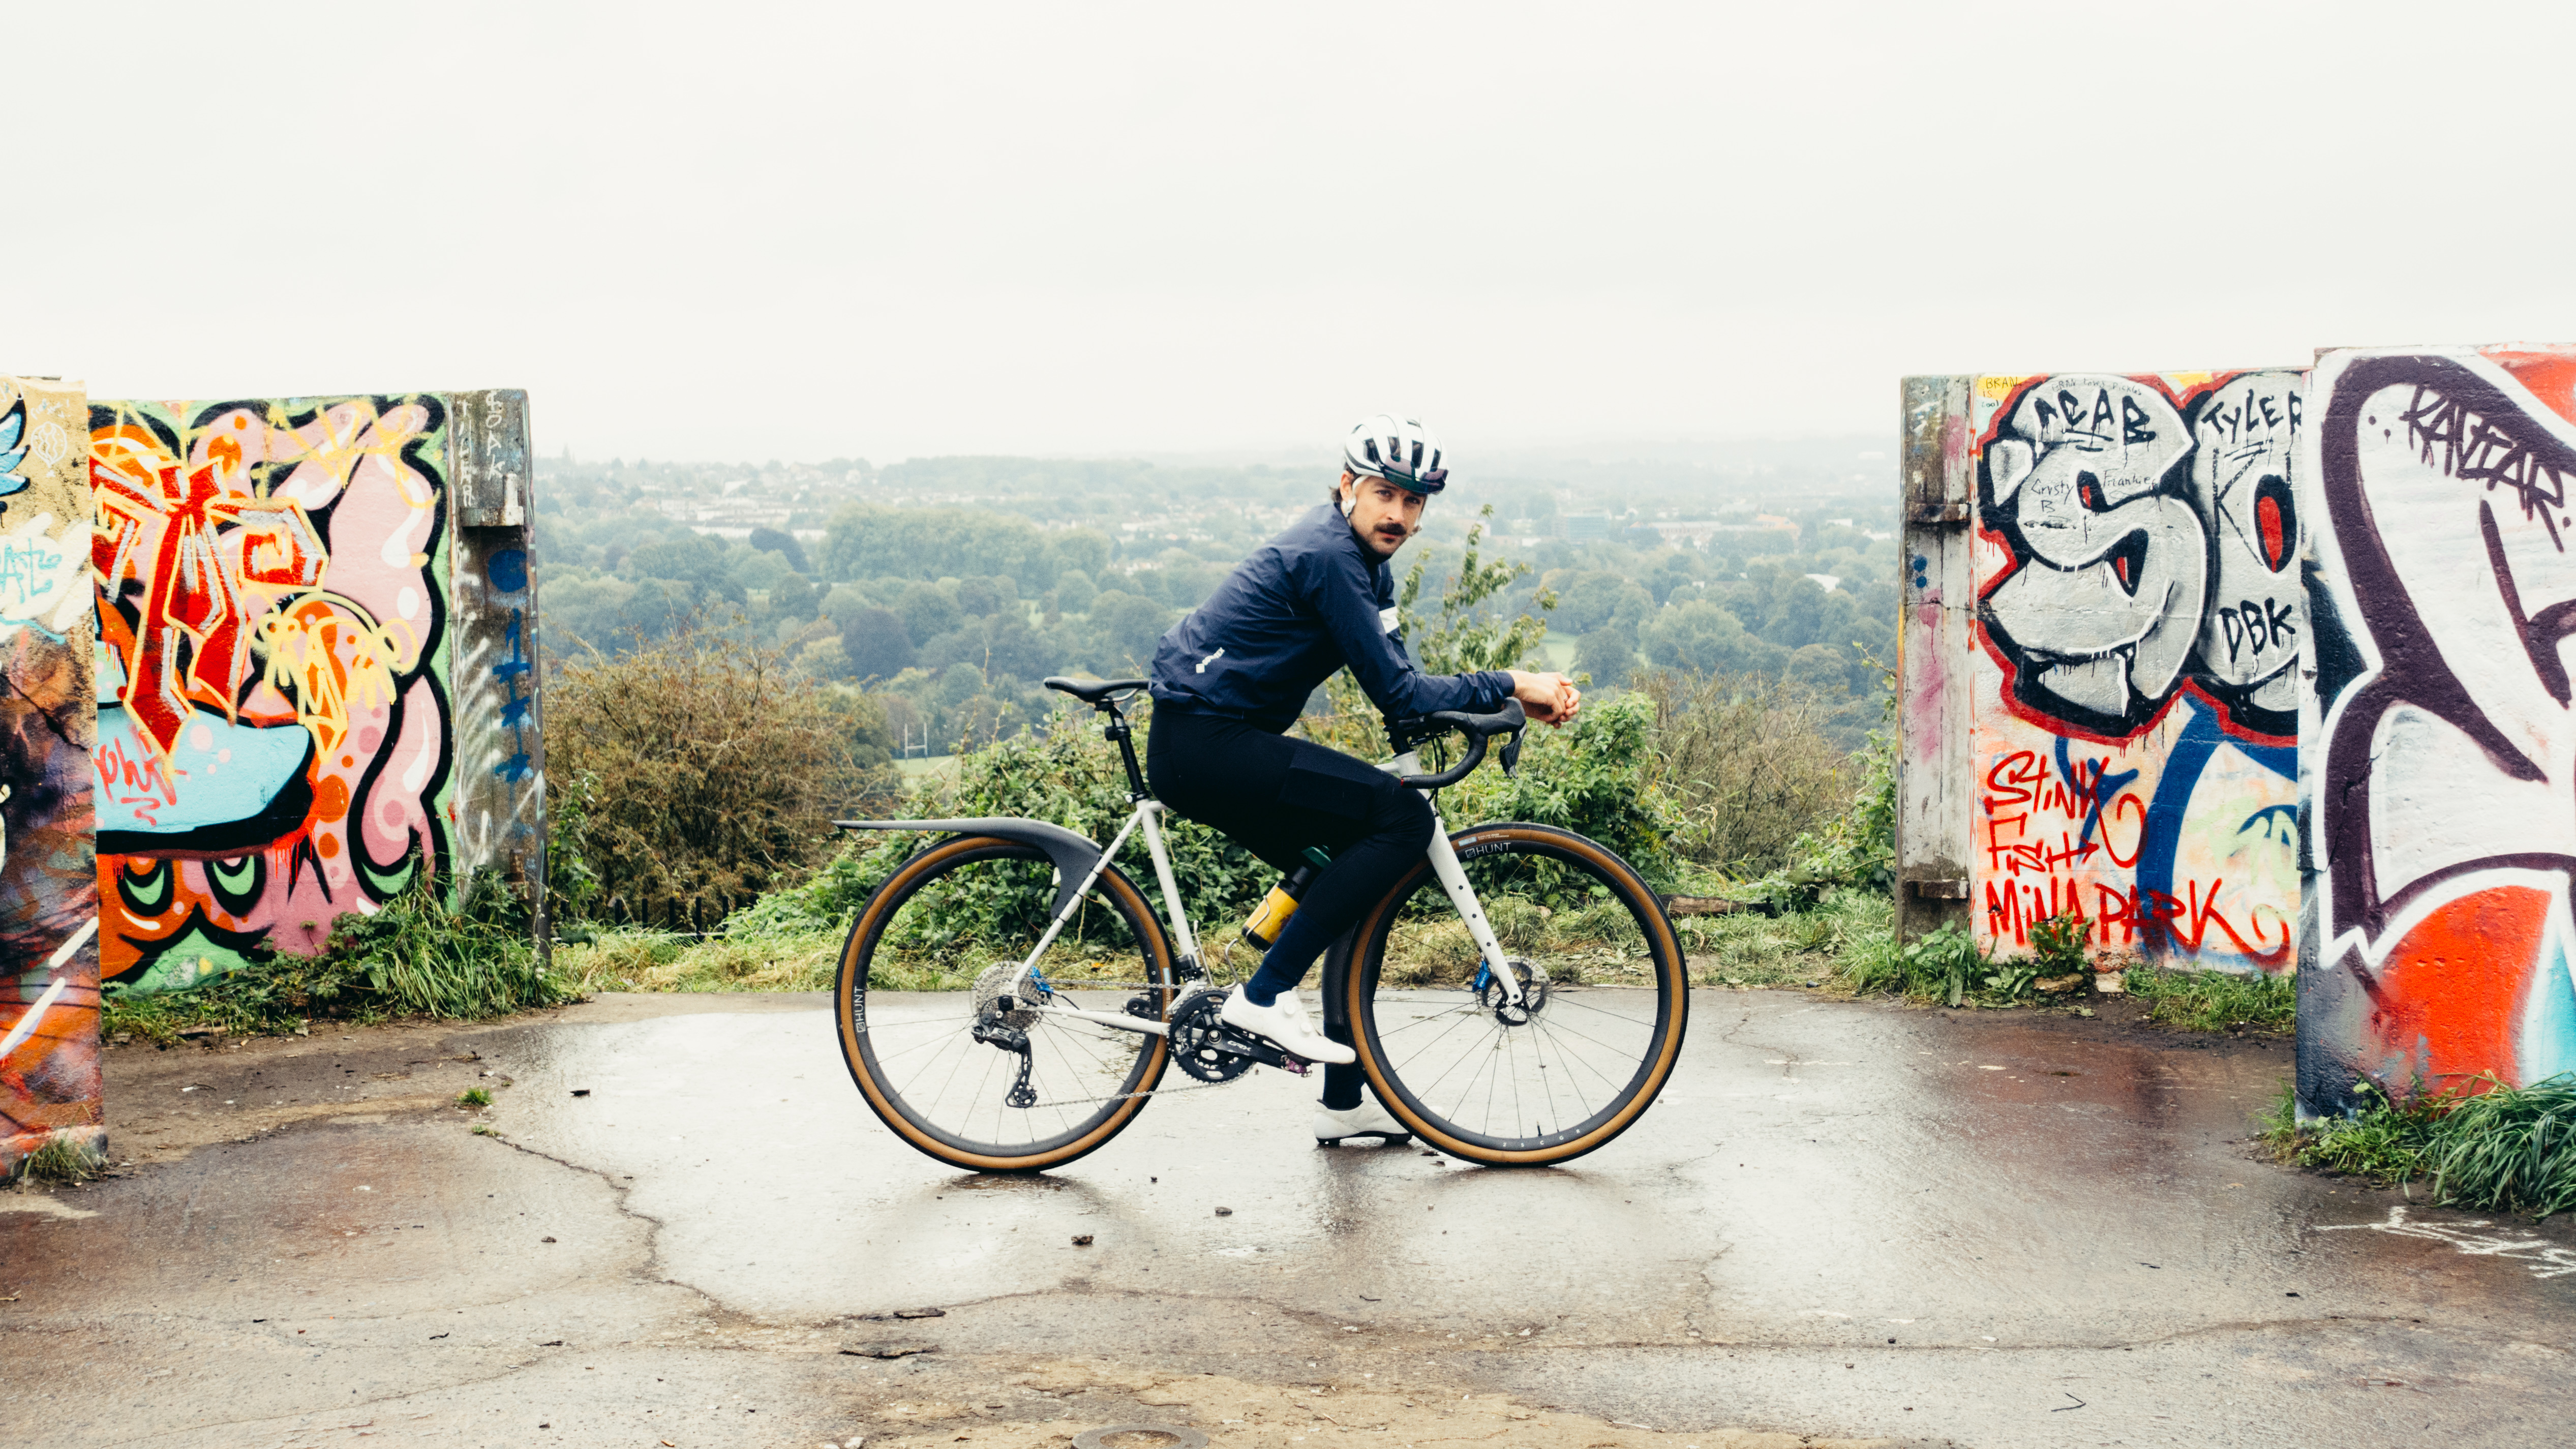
{"x": 1092, "y": 691}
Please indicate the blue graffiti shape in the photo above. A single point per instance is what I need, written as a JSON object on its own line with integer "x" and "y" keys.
{"x": 2273, "y": 822}
{"x": 514, "y": 711}
{"x": 508, "y": 570}
{"x": 13, "y": 449}
{"x": 2105, "y": 788}
{"x": 2191, "y": 752}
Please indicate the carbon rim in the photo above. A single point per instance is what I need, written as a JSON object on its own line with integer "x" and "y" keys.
{"x": 1586, "y": 1063}
{"x": 939, "y": 921}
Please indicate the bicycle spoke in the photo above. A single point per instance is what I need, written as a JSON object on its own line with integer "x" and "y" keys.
{"x": 964, "y": 915}
{"x": 1555, "y": 1070}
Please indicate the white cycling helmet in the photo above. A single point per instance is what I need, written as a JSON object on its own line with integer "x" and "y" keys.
{"x": 1401, "y": 451}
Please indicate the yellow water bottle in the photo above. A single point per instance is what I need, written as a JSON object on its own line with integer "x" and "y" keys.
{"x": 1271, "y": 916}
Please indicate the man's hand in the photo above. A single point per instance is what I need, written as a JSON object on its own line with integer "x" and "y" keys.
{"x": 1549, "y": 698}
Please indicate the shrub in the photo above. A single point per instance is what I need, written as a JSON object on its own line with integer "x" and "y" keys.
{"x": 1939, "y": 965}
{"x": 1061, "y": 771}
{"x": 714, "y": 769}
{"x": 1746, "y": 765}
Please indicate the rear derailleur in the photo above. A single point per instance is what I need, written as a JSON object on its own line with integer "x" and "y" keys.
{"x": 993, "y": 1031}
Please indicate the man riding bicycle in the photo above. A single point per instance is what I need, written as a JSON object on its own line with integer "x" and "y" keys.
{"x": 1233, "y": 675}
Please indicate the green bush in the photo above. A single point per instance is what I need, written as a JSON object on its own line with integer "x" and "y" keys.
{"x": 2484, "y": 1145}
{"x": 1939, "y": 965}
{"x": 1061, "y": 771}
{"x": 1745, "y": 765}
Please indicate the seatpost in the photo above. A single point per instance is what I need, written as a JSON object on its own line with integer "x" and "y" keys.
{"x": 1125, "y": 734}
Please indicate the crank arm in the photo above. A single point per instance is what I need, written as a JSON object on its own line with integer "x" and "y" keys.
{"x": 1266, "y": 1053}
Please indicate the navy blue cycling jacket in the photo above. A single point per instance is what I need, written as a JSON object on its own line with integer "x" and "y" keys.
{"x": 1303, "y": 605}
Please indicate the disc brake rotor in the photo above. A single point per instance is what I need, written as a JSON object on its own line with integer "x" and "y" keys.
{"x": 1534, "y": 986}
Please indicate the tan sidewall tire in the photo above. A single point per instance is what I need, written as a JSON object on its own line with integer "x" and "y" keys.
{"x": 862, "y": 938}
{"x": 1369, "y": 936}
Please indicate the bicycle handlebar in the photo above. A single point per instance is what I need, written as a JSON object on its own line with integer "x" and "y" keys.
{"x": 1479, "y": 729}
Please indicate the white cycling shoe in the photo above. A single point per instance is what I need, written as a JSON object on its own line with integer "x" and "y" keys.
{"x": 1368, "y": 1119}
{"x": 1284, "y": 1023}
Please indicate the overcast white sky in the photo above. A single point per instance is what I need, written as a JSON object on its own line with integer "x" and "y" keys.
{"x": 755, "y": 231}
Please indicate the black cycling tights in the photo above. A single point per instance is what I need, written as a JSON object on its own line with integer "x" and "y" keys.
{"x": 1276, "y": 796}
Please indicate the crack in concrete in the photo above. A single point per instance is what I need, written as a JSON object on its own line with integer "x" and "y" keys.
{"x": 654, "y": 1227}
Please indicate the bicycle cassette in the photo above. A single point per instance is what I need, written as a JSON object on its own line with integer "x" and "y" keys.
{"x": 1206, "y": 1048}
{"x": 993, "y": 980}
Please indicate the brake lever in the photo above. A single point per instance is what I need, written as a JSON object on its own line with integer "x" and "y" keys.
{"x": 1511, "y": 756}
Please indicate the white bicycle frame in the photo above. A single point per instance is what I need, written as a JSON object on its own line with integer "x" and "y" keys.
{"x": 1444, "y": 864}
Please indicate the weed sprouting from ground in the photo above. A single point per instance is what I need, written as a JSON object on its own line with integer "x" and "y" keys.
{"x": 2216, "y": 1000}
{"x": 62, "y": 1159}
{"x": 473, "y": 1097}
{"x": 2483, "y": 1145}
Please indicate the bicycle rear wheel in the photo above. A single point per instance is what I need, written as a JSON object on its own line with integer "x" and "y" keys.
{"x": 1607, "y": 999}
{"x": 944, "y": 934}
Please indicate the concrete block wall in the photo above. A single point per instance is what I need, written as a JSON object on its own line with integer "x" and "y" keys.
{"x": 2263, "y": 671}
{"x": 297, "y": 607}
{"x": 270, "y": 660}
{"x": 2098, "y": 701}
{"x": 2439, "y": 744}
{"x": 49, "y": 946}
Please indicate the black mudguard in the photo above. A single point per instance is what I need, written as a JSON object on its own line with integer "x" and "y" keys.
{"x": 1074, "y": 855}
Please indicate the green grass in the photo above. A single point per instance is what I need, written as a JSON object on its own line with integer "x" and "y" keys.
{"x": 635, "y": 959}
{"x": 415, "y": 956}
{"x": 2217, "y": 1000}
{"x": 1794, "y": 948}
{"x": 61, "y": 1159}
{"x": 473, "y": 1097}
{"x": 2482, "y": 1145}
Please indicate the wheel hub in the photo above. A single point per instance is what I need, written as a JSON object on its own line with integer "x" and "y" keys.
{"x": 990, "y": 985}
{"x": 1534, "y": 986}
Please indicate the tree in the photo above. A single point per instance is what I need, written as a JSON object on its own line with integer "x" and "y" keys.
{"x": 1125, "y": 630}
{"x": 794, "y": 598}
{"x": 1608, "y": 654}
{"x": 1074, "y": 591}
{"x": 876, "y": 644}
{"x": 929, "y": 611}
{"x": 771, "y": 540}
{"x": 1699, "y": 637}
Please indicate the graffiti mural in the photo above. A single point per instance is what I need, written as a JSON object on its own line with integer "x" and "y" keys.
{"x": 273, "y": 732}
{"x": 49, "y": 959}
{"x": 2134, "y": 712}
{"x": 2441, "y": 773}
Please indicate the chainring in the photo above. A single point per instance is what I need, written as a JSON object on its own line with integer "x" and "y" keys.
{"x": 1199, "y": 1041}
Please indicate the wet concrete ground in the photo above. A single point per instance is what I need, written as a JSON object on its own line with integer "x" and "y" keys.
{"x": 1842, "y": 1221}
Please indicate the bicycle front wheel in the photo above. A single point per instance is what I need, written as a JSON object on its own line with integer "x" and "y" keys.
{"x": 942, "y": 937}
{"x": 1596, "y": 1036}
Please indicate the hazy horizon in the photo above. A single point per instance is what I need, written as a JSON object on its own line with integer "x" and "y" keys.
{"x": 1141, "y": 230}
